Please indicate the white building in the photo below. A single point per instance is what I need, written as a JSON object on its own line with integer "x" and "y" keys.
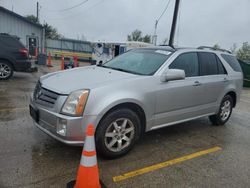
{"x": 31, "y": 34}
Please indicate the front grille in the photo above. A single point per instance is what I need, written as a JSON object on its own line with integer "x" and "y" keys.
{"x": 44, "y": 96}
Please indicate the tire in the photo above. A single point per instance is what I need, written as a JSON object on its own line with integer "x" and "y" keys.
{"x": 112, "y": 138}
{"x": 223, "y": 116}
{"x": 6, "y": 70}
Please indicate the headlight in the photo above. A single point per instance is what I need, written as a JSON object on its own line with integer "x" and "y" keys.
{"x": 75, "y": 103}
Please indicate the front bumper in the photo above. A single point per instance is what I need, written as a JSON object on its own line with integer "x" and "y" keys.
{"x": 49, "y": 122}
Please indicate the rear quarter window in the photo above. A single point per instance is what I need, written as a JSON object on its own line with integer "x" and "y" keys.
{"x": 233, "y": 62}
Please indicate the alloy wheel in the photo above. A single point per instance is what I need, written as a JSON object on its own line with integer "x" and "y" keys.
{"x": 225, "y": 110}
{"x": 119, "y": 134}
{"x": 5, "y": 70}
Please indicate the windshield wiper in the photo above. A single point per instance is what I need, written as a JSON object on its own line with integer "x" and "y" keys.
{"x": 119, "y": 69}
{"x": 124, "y": 70}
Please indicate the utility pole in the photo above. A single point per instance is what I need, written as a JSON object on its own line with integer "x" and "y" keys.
{"x": 173, "y": 28}
{"x": 37, "y": 12}
{"x": 154, "y": 39}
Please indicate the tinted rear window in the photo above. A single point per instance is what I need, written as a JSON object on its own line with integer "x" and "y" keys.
{"x": 233, "y": 62}
{"x": 11, "y": 42}
{"x": 208, "y": 63}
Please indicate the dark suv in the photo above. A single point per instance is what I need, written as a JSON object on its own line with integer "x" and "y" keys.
{"x": 13, "y": 56}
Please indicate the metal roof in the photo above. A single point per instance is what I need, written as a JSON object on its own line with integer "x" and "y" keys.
{"x": 19, "y": 16}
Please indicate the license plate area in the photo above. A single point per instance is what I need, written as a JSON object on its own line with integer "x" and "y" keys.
{"x": 34, "y": 113}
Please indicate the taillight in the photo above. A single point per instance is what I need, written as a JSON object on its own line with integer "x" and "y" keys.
{"x": 24, "y": 52}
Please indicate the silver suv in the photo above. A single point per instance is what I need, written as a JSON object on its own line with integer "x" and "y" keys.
{"x": 138, "y": 91}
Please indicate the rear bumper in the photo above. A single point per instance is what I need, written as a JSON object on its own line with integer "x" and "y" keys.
{"x": 22, "y": 65}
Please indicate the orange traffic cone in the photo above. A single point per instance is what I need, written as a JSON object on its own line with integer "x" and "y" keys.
{"x": 49, "y": 60}
{"x": 75, "y": 61}
{"x": 62, "y": 63}
{"x": 88, "y": 176}
{"x": 36, "y": 52}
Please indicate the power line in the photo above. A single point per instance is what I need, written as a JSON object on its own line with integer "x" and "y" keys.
{"x": 163, "y": 11}
{"x": 154, "y": 39}
{"x": 74, "y": 15}
{"x": 69, "y": 8}
{"x": 79, "y": 4}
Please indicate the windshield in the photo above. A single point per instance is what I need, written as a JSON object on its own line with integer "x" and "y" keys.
{"x": 142, "y": 62}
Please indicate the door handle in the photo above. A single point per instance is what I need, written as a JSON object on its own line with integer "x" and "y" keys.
{"x": 225, "y": 80}
{"x": 196, "y": 83}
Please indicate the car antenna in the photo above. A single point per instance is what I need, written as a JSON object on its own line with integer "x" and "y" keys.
{"x": 173, "y": 27}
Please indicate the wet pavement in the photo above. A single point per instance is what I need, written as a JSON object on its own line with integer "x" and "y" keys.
{"x": 30, "y": 158}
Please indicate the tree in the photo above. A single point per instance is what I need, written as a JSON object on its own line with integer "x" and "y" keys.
{"x": 32, "y": 18}
{"x": 233, "y": 49}
{"x": 136, "y": 35}
{"x": 146, "y": 38}
{"x": 244, "y": 52}
{"x": 50, "y": 31}
{"x": 216, "y": 46}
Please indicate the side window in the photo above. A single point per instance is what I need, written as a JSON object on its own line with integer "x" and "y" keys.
{"x": 208, "y": 63}
{"x": 233, "y": 62}
{"x": 187, "y": 62}
{"x": 221, "y": 69}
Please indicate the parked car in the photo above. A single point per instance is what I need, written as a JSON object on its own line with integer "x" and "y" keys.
{"x": 139, "y": 91}
{"x": 13, "y": 56}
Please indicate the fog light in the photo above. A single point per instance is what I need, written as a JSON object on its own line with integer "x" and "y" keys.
{"x": 62, "y": 127}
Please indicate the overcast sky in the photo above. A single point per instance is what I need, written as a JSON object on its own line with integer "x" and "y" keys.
{"x": 201, "y": 22}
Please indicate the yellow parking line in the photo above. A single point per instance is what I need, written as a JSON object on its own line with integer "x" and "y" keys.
{"x": 12, "y": 109}
{"x": 164, "y": 164}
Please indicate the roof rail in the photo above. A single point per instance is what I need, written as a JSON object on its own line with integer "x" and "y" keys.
{"x": 216, "y": 49}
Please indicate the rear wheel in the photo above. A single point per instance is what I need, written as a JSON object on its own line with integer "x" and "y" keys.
{"x": 224, "y": 112}
{"x": 6, "y": 70}
{"x": 117, "y": 133}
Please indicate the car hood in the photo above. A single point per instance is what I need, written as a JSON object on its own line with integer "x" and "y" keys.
{"x": 89, "y": 77}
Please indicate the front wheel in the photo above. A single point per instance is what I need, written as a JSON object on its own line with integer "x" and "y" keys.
{"x": 117, "y": 132}
{"x": 224, "y": 112}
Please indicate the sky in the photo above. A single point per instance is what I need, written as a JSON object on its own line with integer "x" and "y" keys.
{"x": 200, "y": 22}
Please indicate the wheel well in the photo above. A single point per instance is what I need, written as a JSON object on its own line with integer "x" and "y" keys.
{"x": 135, "y": 108}
{"x": 2, "y": 59}
{"x": 233, "y": 95}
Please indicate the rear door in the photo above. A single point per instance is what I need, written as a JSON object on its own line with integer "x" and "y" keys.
{"x": 214, "y": 78}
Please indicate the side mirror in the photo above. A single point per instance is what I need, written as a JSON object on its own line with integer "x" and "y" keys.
{"x": 173, "y": 74}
